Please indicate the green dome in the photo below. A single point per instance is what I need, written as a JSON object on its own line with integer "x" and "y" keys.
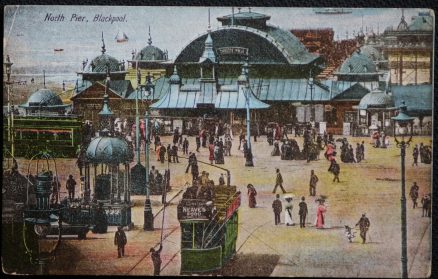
{"x": 358, "y": 63}
{"x": 151, "y": 53}
{"x": 376, "y": 99}
{"x": 107, "y": 150}
{"x": 44, "y": 97}
{"x": 101, "y": 61}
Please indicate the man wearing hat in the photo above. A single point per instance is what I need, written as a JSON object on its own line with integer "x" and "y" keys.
{"x": 120, "y": 240}
{"x": 312, "y": 183}
{"x": 302, "y": 212}
{"x": 278, "y": 182}
{"x": 71, "y": 185}
{"x": 277, "y": 207}
{"x": 415, "y": 153}
{"x": 364, "y": 225}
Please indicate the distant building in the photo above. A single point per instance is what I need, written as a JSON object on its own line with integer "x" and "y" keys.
{"x": 315, "y": 40}
{"x": 150, "y": 60}
{"x": 87, "y": 100}
{"x": 409, "y": 49}
{"x": 279, "y": 71}
{"x": 271, "y": 51}
{"x": 44, "y": 102}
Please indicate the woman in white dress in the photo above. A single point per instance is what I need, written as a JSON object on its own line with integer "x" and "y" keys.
{"x": 288, "y": 211}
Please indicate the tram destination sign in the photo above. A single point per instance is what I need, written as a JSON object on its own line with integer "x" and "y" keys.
{"x": 192, "y": 209}
{"x": 233, "y": 51}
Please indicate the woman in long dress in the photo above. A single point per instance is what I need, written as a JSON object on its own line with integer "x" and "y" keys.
{"x": 288, "y": 212}
{"x": 211, "y": 149}
{"x": 320, "y": 210}
{"x": 252, "y": 193}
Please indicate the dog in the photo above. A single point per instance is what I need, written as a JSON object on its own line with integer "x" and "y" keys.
{"x": 349, "y": 233}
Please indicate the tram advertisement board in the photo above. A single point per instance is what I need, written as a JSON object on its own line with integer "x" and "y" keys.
{"x": 192, "y": 209}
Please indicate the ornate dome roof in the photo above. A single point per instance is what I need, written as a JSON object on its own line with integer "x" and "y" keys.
{"x": 358, "y": 63}
{"x": 371, "y": 52}
{"x": 376, "y": 99}
{"x": 98, "y": 64}
{"x": 107, "y": 150}
{"x": 44, "y": 97}
{"x": 174, "y": 78}
{"x": 150, "y": 53}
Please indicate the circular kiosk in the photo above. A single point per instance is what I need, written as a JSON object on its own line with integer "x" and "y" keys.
{"x": 107, "y": 169}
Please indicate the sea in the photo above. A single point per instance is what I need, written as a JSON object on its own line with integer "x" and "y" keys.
{"x": 30, "y": 38}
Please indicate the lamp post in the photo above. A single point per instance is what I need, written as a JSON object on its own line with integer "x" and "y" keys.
{"x": 403, "y": 120}
{"x": 8, "y": 65}
{"x": 137, "y": 118}
{"x": 38, "y": 218}
{"x": 148, "y": 216}
{"x": 312, "y": 108}
{"x": 249, "y": 162}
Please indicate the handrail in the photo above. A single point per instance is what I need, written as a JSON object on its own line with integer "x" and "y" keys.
{"x": 228, "y": 171}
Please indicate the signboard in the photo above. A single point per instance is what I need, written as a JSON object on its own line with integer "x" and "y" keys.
{"x": 346, "y": 129}
{"x": 178, "y": 123}
{"x": 205, "y": 105}
{"x": 322, "y": 127}
{"x": 192, "y": 209}
{"x": 233, "y": 51}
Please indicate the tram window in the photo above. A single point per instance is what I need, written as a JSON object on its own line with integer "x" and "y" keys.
{"x": 198, "y": 232}
{"x": 28, "y": 135}
{"x": 186, "y": 235}
{"x": 64, "y": 136}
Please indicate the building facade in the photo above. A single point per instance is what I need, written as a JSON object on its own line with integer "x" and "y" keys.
{"x": 409, "y": 49}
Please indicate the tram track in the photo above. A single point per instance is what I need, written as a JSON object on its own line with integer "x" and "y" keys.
{"x": 258, "y": 227}
{"x": 164, "y": 237}
{"x": 267, "y": 245}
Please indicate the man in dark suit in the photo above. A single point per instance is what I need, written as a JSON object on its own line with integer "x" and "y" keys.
{"x": 277, "y": 207}
{"x": 278, "y": 182}
{"x": 312, "y": 183}
{"x": 120, "y": 240}
{"x": 302, "y": 212}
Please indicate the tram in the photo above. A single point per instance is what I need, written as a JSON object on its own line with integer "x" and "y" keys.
{"x": 60, "y": 135}
{"x": 209, "y": 228}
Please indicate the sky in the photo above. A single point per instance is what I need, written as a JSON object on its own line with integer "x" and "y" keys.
{"x": 30, "y": 40}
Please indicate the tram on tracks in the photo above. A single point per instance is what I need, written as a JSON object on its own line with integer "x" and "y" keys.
{"x": 209, "y": 227}
{"x": 59, "y": 134}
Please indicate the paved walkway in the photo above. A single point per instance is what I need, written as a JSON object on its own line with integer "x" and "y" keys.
{"x": 372, "y": 186}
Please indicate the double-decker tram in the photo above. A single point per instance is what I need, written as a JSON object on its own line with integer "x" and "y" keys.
{"x": 61, "y": 135}
{"x": 208, "y": 217}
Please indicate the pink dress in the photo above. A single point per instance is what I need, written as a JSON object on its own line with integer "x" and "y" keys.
{"x": 320, "y": 216}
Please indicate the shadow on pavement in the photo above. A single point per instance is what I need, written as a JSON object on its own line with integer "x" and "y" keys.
{"x": 251, "y": 265}
{"x": 67, "y": 258}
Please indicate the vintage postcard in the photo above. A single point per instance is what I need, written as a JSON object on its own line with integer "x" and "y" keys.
{"x": 230, "y": 141}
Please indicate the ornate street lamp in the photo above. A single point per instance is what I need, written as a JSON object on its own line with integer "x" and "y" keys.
{"x": 312, "y": 108}
{"x": 40, "y": 219}
{"x": 405, "y": 123}
{"x": 149, "y": 89}
{"x": 8, "y": 67}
